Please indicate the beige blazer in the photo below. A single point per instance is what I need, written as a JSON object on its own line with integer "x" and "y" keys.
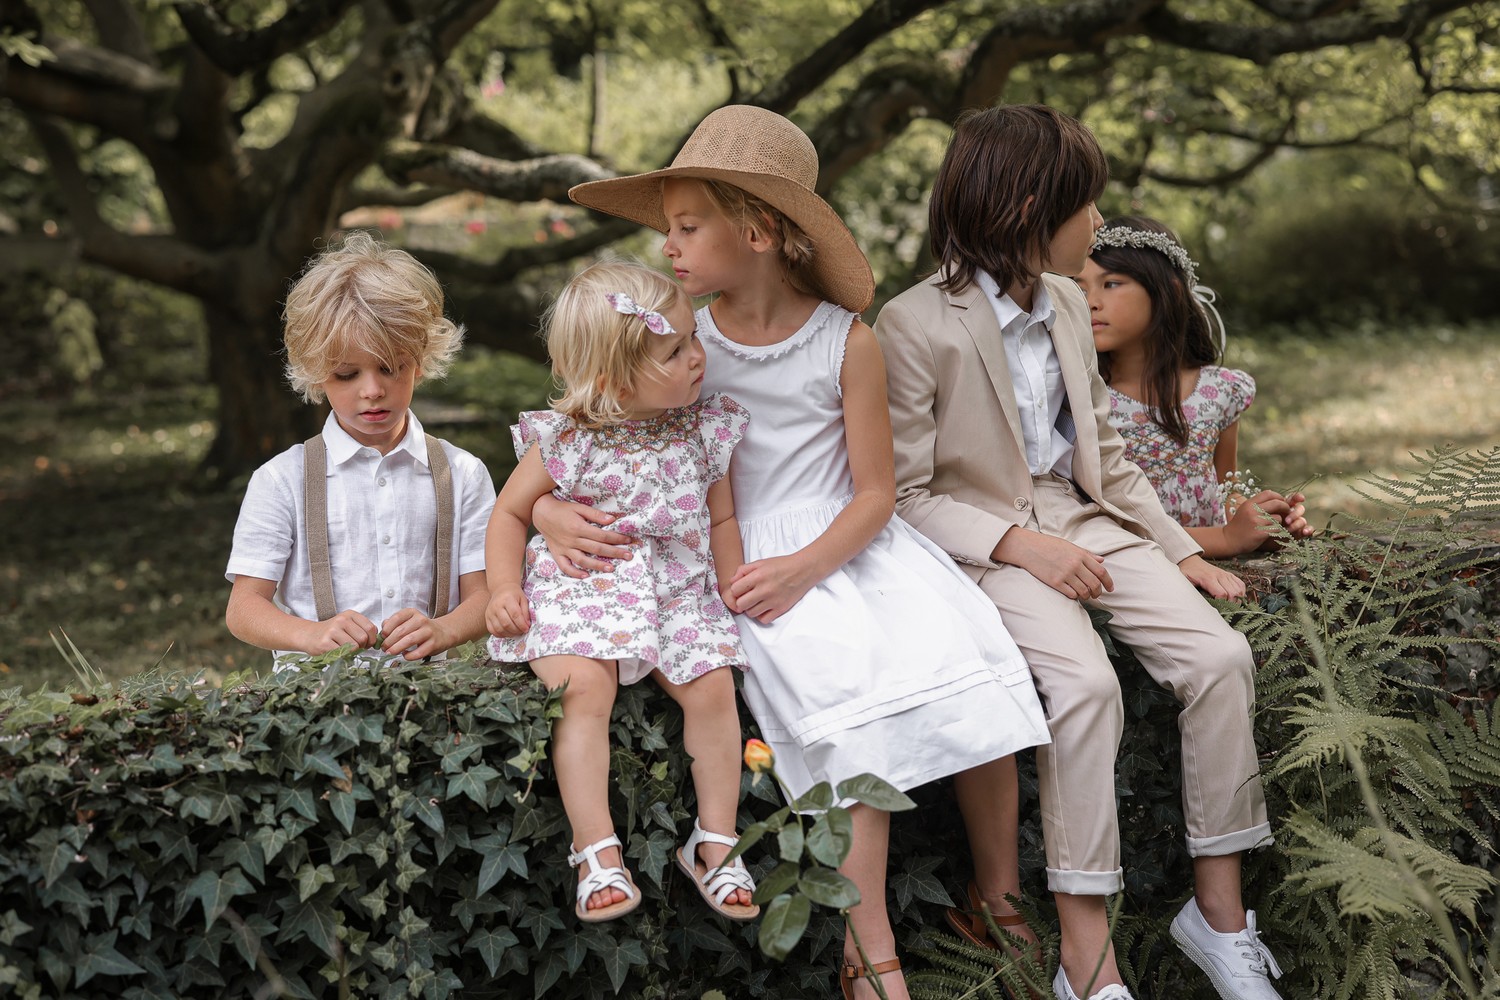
{"x": 961, "y": 473}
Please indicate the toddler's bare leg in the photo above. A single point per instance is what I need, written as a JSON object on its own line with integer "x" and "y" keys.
{"x": 580, "y": 753}
{"x": 711, "y": 736}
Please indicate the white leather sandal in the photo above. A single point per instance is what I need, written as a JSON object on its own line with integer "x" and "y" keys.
{"x": 716, "y": 884}
{"x": 599, "y": 878}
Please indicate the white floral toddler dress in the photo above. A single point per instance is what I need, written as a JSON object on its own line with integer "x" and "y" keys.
{"x": 659, "y": 610}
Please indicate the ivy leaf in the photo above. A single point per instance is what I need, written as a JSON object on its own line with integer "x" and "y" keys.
{"x": 917, "y": 880}
{"x": 342, "y": 804}
{"x": 874, "y": 792}
{"x": 323, "y": 762}
{"x": 782, "y": 924}
{"x": 511, "y": 858}
{"x": 311, "y": 878}
{"x": 831, "y": 837}
{"x": 828, "y": 888}
{"x": 491, "y": 944}
{"x": 101, "y": 959}
{"x": 11, "y": 927}
{"x": 617, "y": 961}
{"x": 427, "y": 811}
{"x": 314, "y": 920}
{"x": 215, "y": 891}
{"x": 300, "y": 799}
{"x": 474, "y": 783}
{"x": 53, "y": 854}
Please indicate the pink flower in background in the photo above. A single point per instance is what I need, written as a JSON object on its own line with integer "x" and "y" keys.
{"x": 493, "y": 88}
{"x": 476, "y": 226}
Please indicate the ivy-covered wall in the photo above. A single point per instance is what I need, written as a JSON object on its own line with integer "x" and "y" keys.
{"x": 343, "y": 832}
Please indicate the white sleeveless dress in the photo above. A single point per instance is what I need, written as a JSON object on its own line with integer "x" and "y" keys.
{"x": 896, "y": 664}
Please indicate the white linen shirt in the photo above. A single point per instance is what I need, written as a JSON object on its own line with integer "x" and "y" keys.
{"x": 382, "y": 523}
{"x": 1047, "y": 428}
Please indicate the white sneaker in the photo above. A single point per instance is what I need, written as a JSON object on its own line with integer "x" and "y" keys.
{"x": 1238, "y": 964}
{"x": 1063, "y": 990}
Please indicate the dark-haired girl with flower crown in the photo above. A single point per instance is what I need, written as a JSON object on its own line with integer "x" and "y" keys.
{"x": 1172, "y": 401}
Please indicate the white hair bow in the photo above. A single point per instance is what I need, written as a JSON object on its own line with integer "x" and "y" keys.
{"x": 655, "y": 321}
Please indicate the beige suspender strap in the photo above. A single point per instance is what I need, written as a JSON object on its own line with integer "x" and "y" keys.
{"x": 315, "y": 512}
{"x": 315, "y": 528}
{"x": 442, "y": 485}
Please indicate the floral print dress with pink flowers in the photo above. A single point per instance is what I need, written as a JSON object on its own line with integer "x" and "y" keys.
{"x": 659, "y": 610}
{"x": 1184, "y": 475}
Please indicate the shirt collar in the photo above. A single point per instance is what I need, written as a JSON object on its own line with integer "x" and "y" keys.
{"x": 1006, "y": 310}
{"x": 342, "y": 447}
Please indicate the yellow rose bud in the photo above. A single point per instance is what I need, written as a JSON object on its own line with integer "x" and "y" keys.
{"x": 758, "y": 756}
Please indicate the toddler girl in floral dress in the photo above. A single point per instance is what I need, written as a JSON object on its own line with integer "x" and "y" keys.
{"x": 629, "y": 435}
{"x": 1176, "y": 407}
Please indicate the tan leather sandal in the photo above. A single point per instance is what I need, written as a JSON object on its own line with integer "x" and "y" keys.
{"x": 850, "y": 974}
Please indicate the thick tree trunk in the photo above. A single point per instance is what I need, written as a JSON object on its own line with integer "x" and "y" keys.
{"x": 258, "y": 413}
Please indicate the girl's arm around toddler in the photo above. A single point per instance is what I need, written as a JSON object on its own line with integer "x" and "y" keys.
{"x": 724, "y": 538}
{"x": 767, "y": 588}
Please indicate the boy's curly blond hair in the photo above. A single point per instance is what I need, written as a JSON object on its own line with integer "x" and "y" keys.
{"x": 598, "y": 354}
{"x": 365, "y": 295}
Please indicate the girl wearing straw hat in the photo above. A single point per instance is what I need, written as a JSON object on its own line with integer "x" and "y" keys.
{"x": 869, "y": 651}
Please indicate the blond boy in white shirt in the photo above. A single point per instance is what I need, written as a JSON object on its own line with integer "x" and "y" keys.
{"x": 395, "y": 562}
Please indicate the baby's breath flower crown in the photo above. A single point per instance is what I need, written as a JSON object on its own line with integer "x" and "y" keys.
{"x": 1139, "y": 239}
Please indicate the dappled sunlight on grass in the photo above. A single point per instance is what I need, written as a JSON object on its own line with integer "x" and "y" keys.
{"x": 1339, "y": 407}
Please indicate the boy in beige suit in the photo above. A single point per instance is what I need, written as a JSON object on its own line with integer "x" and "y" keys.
{"x": 1005, "y": 458}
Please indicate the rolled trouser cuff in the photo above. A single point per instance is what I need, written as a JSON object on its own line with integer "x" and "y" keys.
{"x": 1227, "y": 843}
{"x": 1076, "y": 883}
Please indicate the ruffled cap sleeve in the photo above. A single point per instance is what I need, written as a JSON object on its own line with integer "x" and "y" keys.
{"x": 1238, "y": 389}
{"x": 561, "y": 443}
{"x": 721, "y": 424}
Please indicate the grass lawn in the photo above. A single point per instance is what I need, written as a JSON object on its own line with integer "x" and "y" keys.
{"x": 104, "y": 534}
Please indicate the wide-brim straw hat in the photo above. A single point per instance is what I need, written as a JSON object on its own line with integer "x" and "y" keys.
{"x": 760, "y": 152}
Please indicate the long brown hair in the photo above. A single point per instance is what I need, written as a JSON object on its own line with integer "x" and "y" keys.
{"x": 1011, "y": 177}
{"x": 1179, "y": 335}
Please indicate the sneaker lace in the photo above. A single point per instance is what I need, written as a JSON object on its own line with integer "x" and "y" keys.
{"x": 1254, "y": 950}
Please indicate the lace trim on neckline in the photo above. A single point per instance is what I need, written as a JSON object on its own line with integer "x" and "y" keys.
{"x": 819, "y": 318}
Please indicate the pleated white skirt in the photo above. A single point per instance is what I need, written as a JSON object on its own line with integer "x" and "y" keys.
{"x": 896, "y": 664}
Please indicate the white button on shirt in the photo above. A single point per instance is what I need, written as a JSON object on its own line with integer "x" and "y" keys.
{"x": 382, "y": 521}
{"x": 1046, "y": 428}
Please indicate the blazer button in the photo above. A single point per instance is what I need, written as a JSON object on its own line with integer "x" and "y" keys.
{"x": 1022, "y": 503}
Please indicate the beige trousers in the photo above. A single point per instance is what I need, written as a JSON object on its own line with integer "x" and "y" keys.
{"x": 1186, "y": 647}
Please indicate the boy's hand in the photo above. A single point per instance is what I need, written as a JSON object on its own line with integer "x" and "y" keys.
{"x": 577, "y": 538}
{"x": 342, "y": 629}
{"x": 507, "y": 614}
{"x": 1211, "y": 579}
{"x": 413, "y": 635}
{"x": 1070, "y": 570}
{"x": 768, "y": 588}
